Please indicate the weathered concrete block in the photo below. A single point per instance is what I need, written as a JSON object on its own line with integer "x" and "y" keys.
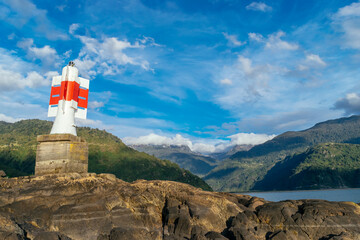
{"x": 61, "y": 153}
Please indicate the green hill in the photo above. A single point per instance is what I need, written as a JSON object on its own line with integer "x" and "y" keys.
{"x": 327, "y": 165}
{"x": 245, "y": 168}
{"x": 107, "y": 154}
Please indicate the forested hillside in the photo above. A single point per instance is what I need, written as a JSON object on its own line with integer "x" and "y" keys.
{"x": 107, "y": 154}
{"x": 245, "y": 168}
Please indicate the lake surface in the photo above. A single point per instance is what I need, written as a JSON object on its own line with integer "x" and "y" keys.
{"x": 348, "y": 195}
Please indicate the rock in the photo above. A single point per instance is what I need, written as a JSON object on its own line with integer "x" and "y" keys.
{"x": 214, "y": 236}
{"x": 2, "y": 173}
{"x": 101, "y": 207}
{"x": 51, "y": 236}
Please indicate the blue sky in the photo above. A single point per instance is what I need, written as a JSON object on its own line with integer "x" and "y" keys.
{"x": 205, "y": 73}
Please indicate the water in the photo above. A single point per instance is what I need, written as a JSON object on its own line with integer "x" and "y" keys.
{"x": 348, "y": 195}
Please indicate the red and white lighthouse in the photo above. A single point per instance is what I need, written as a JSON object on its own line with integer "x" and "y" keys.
{"x": 68, "y": 100}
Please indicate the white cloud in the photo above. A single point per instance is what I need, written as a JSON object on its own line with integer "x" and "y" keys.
{"x": 256, "y": 37}
{"x": 204, "y": 146}
{"x": 350, "y": 103}
{"x": 108, "y": 56}
{"x": 306, "y": 68}
{"x": 259, "y": 6}
{"x": 155, "y": 139}
{"x": 73, "y": 27}
{"x": 350, "y": 10}
{"x": 347, "y": 21}
{"x": 51, "y": 74}
{"x": 226, "y": 81}
{"x": 46, "y": 54}
{"x": 8, "y": 119}
{"x": 233, "y": 39}
{"x": 16, "y": 74}
{"x": 274, "y": 41}
{"x": 22, "y": 12}
{"x": 250, "y": 138}
{"x": 314, "y": 59}
{"x": 10, "y": 80}
{"x": 250, "y": 82}
{"x": 95, "y": 104}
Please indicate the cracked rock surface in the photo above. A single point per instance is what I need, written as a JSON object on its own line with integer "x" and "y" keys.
{"x": 102, "y": 207}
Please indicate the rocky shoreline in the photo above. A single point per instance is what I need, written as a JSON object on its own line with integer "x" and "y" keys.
{"x": 98, "y": 207}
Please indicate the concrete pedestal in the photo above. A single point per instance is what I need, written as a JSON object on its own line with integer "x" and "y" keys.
{"x": 61, "y": 153}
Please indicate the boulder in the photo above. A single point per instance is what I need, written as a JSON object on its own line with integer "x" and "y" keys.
{"x": 102, "y": 207}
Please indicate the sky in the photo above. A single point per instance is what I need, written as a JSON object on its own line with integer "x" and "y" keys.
{"x": 208, "y": 73}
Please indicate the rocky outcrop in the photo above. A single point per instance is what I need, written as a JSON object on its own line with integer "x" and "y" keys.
{"x": 102, "y": 207}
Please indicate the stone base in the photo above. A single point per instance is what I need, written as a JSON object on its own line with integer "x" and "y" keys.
{"x": 61, "y": 153}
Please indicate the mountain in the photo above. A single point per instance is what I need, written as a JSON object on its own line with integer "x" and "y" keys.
{"x": 181, "y": 155}
{"x": 230, "y": 151}
{"x": 245, "y": 168}
{"x": 107, "y": 154}
{"x": 327, "y": 165}
{"x": 102, "y": 207}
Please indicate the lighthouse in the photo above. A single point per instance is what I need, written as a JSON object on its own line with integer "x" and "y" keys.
{"x": 68, "y": 100}
{"x": 62, "y": 151}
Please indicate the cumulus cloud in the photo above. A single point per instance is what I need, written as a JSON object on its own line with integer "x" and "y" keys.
{"x": 274, "y": 41}
{"x": 22, "y": 12}
{"x": 347, "y": 21}
{"x": 201, "y": 146}
{"x": 10, "y": 80}
{"x": 350, "y": 103}
{"x": 108, "y": 56}
{"x": 259, "y": 6}
{"x": 233, "y": 40}
{"x": 46, "y": 54}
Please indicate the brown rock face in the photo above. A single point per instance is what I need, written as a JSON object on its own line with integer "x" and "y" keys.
{"x": 101, "y": 207}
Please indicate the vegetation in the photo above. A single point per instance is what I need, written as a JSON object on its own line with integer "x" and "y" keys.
{"x": 329, "y": 165}
{"x": 107, "y": 154}
{"x": 245, "y": 168}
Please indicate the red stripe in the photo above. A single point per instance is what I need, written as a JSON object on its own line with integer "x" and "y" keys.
{"x": 84, "y": 93}
{"x": 54, "y": 91}
{"x": 69, "y": 90}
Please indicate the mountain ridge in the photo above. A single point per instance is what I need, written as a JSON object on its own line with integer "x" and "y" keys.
{"x": 180, "y": 154}
{"x": 243, "y": 169}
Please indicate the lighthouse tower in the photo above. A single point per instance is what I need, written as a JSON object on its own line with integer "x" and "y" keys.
{"x": 62, "y": 151}
{"x": 68, "y": 99}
